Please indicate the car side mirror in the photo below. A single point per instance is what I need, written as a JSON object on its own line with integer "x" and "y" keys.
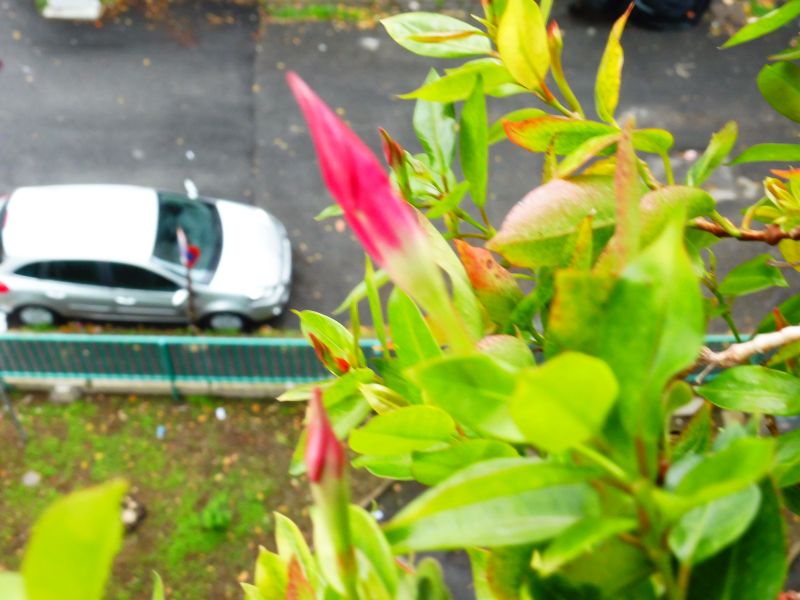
{"x": 180, "y": 297}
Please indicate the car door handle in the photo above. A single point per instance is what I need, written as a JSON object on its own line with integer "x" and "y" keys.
{"x": 55, "y": 295}
{"x": 125, "y": 300}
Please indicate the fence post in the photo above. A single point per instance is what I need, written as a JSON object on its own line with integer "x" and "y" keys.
{"x": 167, "y": 366}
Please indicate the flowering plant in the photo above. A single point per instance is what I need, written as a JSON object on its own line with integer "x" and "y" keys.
{"x": 529, "y": 374}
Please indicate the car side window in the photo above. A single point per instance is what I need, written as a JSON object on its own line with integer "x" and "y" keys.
{"x": 85, "y": 272}
{"x": 137, "y": 278}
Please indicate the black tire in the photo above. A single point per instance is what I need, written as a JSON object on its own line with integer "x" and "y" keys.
{"x": 227, "y": 321}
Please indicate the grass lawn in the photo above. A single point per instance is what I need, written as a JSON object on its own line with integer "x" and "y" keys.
{"x": 209, "y": 486}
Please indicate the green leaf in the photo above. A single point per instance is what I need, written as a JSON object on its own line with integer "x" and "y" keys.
{"x": 584, "y": 153}
{"x": 769, "y": 22}
{"x": 756, "y": 389}
{"x": 436, "y": 35}
{"x": 780, "y": 86}
{"x": 270, "y": 576}
{"x": 450, "y": 202}
{"x": 251, "y": 592}
{"x": 769, "y": 153}
{"x": 331, "y": 341}
{"x": 582, "y": 537}
{"x": 73, "y": 544}
{"x": 12, "y": 586}
{"x": 512, "y": 351}
{"x": 540, "y": 227}
{"x": 429, "y": 581}
{"x": 334, "y": 210}
{"x": 743, "y": 462}
{"x": 652, "y": 328}
{"x": 457, "y": 84}
{"x": 754, "y": 568}
{"x": 574, "y": 390}
{"x": 788, "y": 54}
{"x": 499, "y": 502}
{"x": 578, "y": 305}
{"x": 403, "y": 430}
{"x": 359, "y": 292}
{"x": 696, "y": 436}
{"x": 374, "y": 299}
{"x": 507, "y": 569}
{"x": 654, "y": 141}
{"x": 719, "y": 147}
{"x": 411, "y": 337}
{"x": 609, "y": 73}
{"x": 435, "y": 126}
{"x": 787, "y": 459}
{"x": 522, "y": 42}
{"x": 464, "y": 298}
{"x": 373, "y": 547}
{"x": 474, "y": 143}
{"x": 158, "y": 587}
{"x": 707, "y": 529}
{"x": 658, "y": 207}
{"x": 752, "y": 276}
{"x": 475, "y": 390}
{"x": 292, "y": 546}
{"x": 388, "y": 467}
{"x": 433, "y": 466}
{"x": 382, "y": 399}
{"x": 497, "y": 132}
{"x": 624, "y": 244}
{"x": 617, "y": 568}
{"x": 565, "y": 135}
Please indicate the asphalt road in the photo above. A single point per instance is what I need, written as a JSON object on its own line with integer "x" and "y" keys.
{"x": 203, "y": 97}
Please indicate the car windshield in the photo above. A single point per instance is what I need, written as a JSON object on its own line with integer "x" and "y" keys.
{"x": 200, "y": 221}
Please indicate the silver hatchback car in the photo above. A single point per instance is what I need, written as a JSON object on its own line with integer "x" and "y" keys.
{"x": 111, "y": 252}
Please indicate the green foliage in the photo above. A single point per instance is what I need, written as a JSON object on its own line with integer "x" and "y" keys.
{"x": 73, "y": 544}
{"x": 545, "y": 431}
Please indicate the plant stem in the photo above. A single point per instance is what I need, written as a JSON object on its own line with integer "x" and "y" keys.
{"x": 465, "y": 216}
{"x": 670, "y": 176}
{"x": 604, "y": 462}
{"x": 684, "y": 575}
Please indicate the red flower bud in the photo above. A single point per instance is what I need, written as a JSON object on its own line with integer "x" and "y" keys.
{"x": 324, "y": 453}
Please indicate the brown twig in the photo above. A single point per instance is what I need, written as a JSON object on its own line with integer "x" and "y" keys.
{"x": 771, "y": 235}
{"x": 738, "y": 354}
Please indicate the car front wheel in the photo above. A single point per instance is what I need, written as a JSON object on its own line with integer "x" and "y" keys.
{"x": 226, "y": 321}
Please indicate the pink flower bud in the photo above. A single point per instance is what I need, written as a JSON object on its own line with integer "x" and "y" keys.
{"x": 324, "y": 452}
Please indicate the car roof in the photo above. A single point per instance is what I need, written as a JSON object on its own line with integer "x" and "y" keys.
{"x": 92, "y": 222}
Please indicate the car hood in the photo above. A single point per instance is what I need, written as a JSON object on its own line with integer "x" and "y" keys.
{"x": 252, "y": 250}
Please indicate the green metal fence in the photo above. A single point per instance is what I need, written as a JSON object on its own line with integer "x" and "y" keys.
{"x": 171, "y": 359}
{"x": 161, "y": 358}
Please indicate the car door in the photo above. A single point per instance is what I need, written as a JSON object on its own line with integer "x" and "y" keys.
{"x": 76, "y": 288}
{"x": 141, "y": 294}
